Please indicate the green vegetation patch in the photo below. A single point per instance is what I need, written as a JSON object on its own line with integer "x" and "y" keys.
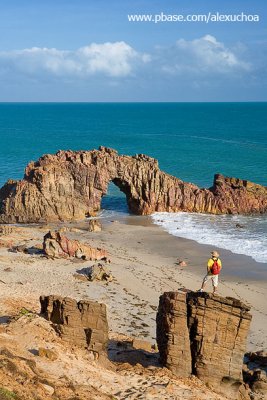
{"x": 6, "y": 394}
{"x": 24, "y": 311}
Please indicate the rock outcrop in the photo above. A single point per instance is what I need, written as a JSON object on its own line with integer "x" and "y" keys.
{"x": 6, "y": 230}
{"x": 36, "y": 365}
{"x": 255, "y": 374}
{"x": 83, "y": 324}
{"x": 204, "y": 335}
{"x": 56, "y": 245}
{"x": 94, "y": 225}
{"x": 70, "y": 185}
{"x": 96, "y": 272}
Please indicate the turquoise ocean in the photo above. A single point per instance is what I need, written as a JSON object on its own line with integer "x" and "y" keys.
{"x": 192, "y": 141}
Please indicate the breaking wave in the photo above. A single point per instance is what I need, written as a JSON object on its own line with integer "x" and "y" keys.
{"x": 241, "y": 234}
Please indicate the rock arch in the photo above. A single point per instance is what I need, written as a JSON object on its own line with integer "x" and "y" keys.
{"x": 69, "y": 186}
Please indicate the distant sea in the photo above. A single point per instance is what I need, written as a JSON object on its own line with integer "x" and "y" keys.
{"x": 192, "y": 141}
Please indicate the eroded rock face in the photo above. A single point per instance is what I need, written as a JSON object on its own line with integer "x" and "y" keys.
{"x": 69, "y": 186}
{"x": 94, "y": 225}
{"x": 204, "y": 335}
{"x": 255, "y": 373}
{"x": 83, "y": 324}
{"x": 173, "y": 334}
{"x": 56, "y": 245}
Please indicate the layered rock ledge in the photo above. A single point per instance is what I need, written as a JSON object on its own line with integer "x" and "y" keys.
{"x": 70, "y": 185}
{"x": 204, "y": 335}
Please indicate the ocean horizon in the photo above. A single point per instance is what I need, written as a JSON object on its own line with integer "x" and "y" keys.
{"x": 192, "y": 141}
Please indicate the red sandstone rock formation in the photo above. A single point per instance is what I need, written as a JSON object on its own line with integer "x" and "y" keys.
{"x": 69, "y": 186}
{"x": 56, "y": 245}
{"x": 204, "y": 335}
{"x": 83, "y": 324}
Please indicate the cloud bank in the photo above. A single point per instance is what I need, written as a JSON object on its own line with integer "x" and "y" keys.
{"x": 200, "y": 56}
{"x": 119, "y": 59}
{"x": 116, "y": 59}
{"x": 186, "y": 70}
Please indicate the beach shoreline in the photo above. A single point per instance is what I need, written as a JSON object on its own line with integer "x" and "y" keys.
{"x": 237, "y": 264}
{"x": 144, "y": 265}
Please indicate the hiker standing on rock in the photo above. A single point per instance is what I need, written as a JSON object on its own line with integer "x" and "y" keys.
{"x": 214, "y": 267}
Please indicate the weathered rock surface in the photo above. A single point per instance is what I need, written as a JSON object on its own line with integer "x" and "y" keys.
{"x": 96, "y": 272}
{"x": 69, "y": 186}
{"x": 64, "y": 373}
{"x": 255, "y": 373}
{"x": 83, "y": 324}
{"x": 204, "y": 335}
{"x": 6, "y": 230}
{"x": 173, "y": 334}
{"x": 56, "y": 245}
{"x": 76, "y": 375}
{"x": 94, "y": 225}
{"x": 47, "y": 353}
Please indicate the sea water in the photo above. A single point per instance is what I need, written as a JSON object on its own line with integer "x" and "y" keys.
{"x": 240, "y": 234}
{"x": 192, "y": 141}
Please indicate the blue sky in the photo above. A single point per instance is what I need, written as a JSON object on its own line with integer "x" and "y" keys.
{"x": 84, "y": 50}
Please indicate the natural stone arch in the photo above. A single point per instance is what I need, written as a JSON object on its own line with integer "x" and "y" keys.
{"x": 69, "y": 186}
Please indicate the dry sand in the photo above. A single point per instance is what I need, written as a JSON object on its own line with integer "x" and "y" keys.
{"x": 144, "y": 265}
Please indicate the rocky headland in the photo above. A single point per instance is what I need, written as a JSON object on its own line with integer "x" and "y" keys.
{"x": 69, "y": 186}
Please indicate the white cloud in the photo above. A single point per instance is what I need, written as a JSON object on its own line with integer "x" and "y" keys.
{"x": 203, "y": 55}
{"x": 116, "y": 59}
{"x": 113, "y": 59}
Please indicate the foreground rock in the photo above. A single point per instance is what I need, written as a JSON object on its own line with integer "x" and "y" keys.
{"x": 204, "y": 335}
{"x": 94, "y": 225}
{"x": 56, "y": 245}
{"x": 72, "y": 373}
{"x": 97, "y": 272}
{"x": 36, "y": 364}
{"x": 83, "y": 324}
{"x": 70, "y": 185}
{"x": 254, "y": 373}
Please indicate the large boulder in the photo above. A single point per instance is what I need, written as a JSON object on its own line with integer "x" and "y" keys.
{"x": 94, "y": 225}
{"x": 70, "y": 185}
{"x": 98, "y": 272}
{"x": 204, "y": 335}
{"x": 82, "y": 323}
{"x": 56, "y": 245}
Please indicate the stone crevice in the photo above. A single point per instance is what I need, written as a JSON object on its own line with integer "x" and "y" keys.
{"x": 235, "y": 340}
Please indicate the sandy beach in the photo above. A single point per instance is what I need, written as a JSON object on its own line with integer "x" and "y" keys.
{"x": 143, "y": 264}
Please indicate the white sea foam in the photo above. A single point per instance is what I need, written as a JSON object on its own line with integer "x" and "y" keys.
{"x": 241, "y": 234}
{"x": 111, "y": 214}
